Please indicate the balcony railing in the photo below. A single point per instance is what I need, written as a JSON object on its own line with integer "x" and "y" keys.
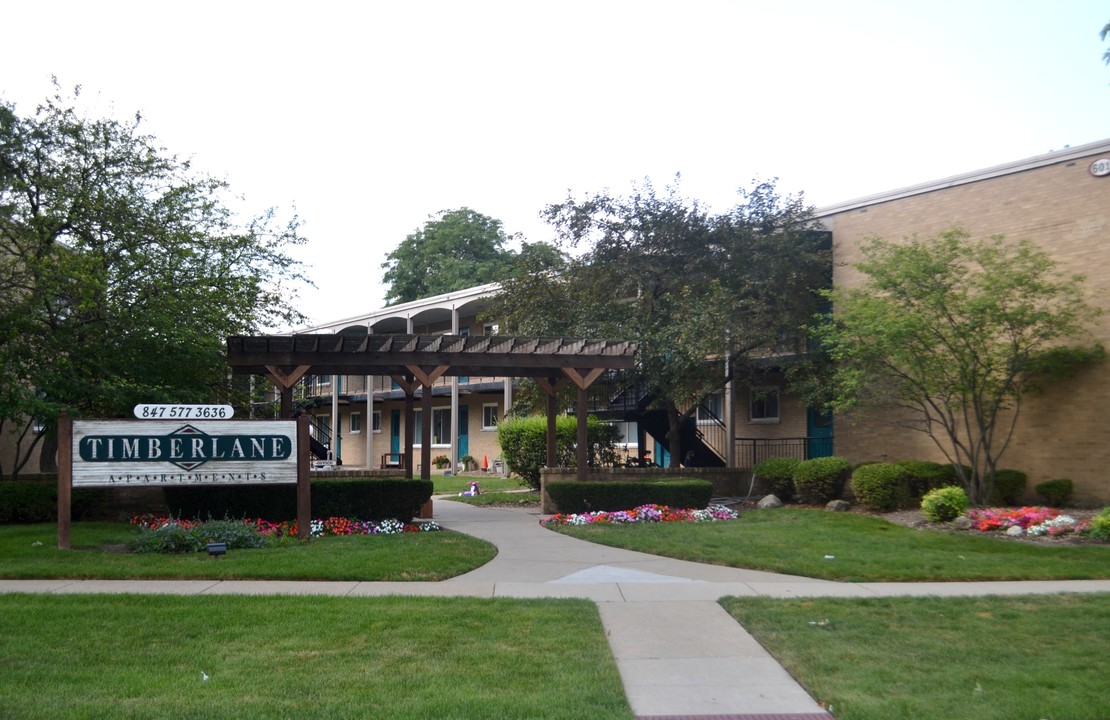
{"x": 752, "y": 451}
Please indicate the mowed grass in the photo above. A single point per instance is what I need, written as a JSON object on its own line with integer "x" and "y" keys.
{"x": 129, "y": 656}
{"x": 495, "y": 490}
{"x": 988, "y": 658}
{"x": 31, "y": 551}
{"x": 860, "y": 548}
{"x": 455, "y": 484}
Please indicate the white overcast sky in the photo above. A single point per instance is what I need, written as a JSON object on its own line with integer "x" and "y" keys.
{"x": 368, "y": 117}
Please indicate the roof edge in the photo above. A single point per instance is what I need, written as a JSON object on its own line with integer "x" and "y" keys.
{"x": 1049, "y": 158}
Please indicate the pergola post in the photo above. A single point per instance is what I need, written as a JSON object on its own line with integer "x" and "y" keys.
{"x": 583, "y": 379}
{"x": 551, "y": 386}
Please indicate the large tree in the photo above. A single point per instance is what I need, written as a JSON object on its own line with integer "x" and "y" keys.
{"x": 708, "y": 296}
{"x": 122, "y": 270}
{"x": 456, "y": 249}
{"x": 954, "y": 332}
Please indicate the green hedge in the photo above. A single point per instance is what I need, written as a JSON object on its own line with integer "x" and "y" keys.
{"x": 944, "y": 504}
{"x": 778, "y": 476}
{"x": 37, "y": 502}
{"x": 1009, "y": 486}
{"x": 820, "y": 480}
{"x": 881, "y": 486}
{"x": 1055, "y": 492}
{"x": 362, "y": 498}
{"x": 924, "y": 475}
{"x": 580, "y": 497}
{"x": 524, "y": 444}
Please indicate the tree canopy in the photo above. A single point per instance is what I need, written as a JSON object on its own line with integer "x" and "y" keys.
{"x": 122, "y": 271}
{"x": 454, "y": 250}
{"x": 1103, "y": 34}
{"x": 694, "y": 288}
{"x": 955, "y": 331}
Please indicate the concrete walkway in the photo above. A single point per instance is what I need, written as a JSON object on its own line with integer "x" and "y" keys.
{"x": 680, "y": 655}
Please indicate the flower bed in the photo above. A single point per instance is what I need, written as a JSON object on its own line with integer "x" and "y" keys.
{"x": 644, "y": 514}
{"x": 332, "y": 526}
{"x": 1037, "y": 521}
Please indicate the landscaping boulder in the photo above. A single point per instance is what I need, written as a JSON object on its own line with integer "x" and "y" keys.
{"x": 838, "y": 506}
{"x": 1014, "y": 531}
{"x": 769, "y": 501}
{"x": 963, "y": 522}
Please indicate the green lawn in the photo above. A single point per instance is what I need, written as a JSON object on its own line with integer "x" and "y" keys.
{"x": 455, "y": 484}
{"x": 31, "y": 551}
{"x": 284, "y": 657}
{"x": 863, "y": 548}
{"x": 989, "y": 658}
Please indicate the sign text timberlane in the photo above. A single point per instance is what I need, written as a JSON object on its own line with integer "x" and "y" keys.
{"x": 182, "y": 448}
{"x": 144, "y": 452}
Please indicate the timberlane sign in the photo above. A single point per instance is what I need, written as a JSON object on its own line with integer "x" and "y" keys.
{"x": 126, "y": 452}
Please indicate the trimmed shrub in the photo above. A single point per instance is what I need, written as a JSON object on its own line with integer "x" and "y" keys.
{"x": 1100, "y": 525}
{"x": 582, "y": 497}
{"x": 924, "y": 475}
{"x": 1009, "y": 485}
{"x": 362, "y": 498}
{"x": 1056, "y": 493}
{"x": 27, "y": 502}
{"x": 945, "y": 504}
{"x": 881, "y": 486}
{"x": 24, "y": 501}
{"x": 778, "y": 476}
{"x": 524, "y": 444}
{"x": 820, "y": 480}
{"x": 174, "y": 537}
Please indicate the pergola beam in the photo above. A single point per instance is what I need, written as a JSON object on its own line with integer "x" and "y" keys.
{"x": 418, "y": 361}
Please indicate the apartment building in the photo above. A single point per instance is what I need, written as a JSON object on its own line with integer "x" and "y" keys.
{"x": 1061, "y": 202}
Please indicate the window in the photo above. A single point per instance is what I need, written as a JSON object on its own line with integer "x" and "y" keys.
{"x": 491, "y": 329}
{"x": 320, "y": 428}
{"x": 489, "y": 417}
{"x": 441, "y": 427}
{"x": 764, "y": 405}
{"x": 356, "y": 423}
{"x": 712, "y": 409}
{"x": 377, "y": 421}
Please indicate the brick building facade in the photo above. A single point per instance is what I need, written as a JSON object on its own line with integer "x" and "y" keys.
{"x": 1061, "y": 202}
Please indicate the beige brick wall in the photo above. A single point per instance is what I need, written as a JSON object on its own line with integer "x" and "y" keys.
{"x": 1065, "y": 210}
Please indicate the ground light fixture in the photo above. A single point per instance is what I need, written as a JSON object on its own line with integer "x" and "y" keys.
{"x": 217, "y": 549}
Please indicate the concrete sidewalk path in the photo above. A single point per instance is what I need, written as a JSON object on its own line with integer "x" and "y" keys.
{"x": 680, "y": 655}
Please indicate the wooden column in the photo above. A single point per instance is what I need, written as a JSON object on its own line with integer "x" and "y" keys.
{"x": 583, "y": 379}
{"x": 551, "y": 386}
{"x": 65, "y": 480}
{"x": 304, "y": 480}
{"x": 582, "y": 412}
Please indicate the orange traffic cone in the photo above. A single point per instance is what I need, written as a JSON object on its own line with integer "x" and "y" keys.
{"x": 485, "y": 463}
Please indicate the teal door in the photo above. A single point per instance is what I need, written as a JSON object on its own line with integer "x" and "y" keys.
{"x": 395, "y": 431}
{"x": 819, "y": 434}
{"x": 464, "y": 432}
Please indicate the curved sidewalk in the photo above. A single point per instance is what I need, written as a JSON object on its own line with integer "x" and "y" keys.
{"x": 679, "y": 653}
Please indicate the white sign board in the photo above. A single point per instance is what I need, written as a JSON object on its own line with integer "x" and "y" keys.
{"x": 134, "y": 452}
{"x": 152, "y": 411}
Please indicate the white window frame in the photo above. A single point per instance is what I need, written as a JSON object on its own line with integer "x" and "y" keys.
{"x": 714, "y": 403}
{"x": 377, "y": 421}
{"x": 418, "y": 427}
{"x": 496, "y": 408}
{"x": 354, "y": 428}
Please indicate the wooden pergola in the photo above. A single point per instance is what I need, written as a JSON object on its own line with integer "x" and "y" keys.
{"x": 418, "y": 361}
